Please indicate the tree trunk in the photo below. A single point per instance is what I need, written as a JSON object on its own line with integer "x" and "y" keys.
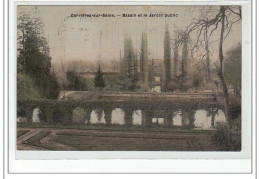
{"x": 221, "y": 58}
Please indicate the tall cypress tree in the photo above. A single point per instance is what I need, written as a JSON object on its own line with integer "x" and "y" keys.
{"x": 167, "y": 56}
{"x": 129, "y": 58}
{"x": 99, "y": 80}
{"x": 184, "y": 63}
{"x": 144, "y": 60}
{"x": 129, "y": 75}
{"x": 175, "y": 59}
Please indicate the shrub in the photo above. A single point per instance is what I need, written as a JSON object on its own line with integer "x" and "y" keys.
{"x": 234, "y": 108}
{"x": 228, "y": 137}
{"x": 26, "y": 88}
{"x": 171, "y": 86}
{"x": 197, "y": 81}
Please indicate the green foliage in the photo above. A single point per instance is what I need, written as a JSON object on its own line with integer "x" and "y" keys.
{"x": 75, "y": 82}
{"x": 62, "y": 111}
{"x": 144, "y": 60}
{"x": 22, "y": 132}
{"x": 228, "y": 137}
{"x": 129, "y": 83}
{"x": 26, "y": 88}
{"x": 35, "y": 141}
{"x": 234, "y": 108}
{"x": 143, "y": 87}
{"x": 129, "y": 56}
{"x": 183, "y": 77}
{"x": 52, "y": 88}
{"x": 129, "y": 76}
{"x": 172, "y": 85}
{"x": 232, "y": 68}
{"x": 37, "y": 138}
{"x": 33, "y": 57}
{"x": 90, "y": 84}
{"x": 197, "y": 81}
{"x": 79, "y": 115}
{"x": 167, "y": 56}
{"x": 99, "y": 80}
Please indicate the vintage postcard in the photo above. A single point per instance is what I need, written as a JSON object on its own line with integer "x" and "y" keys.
{"x": 129, "y": 78}
{"x": 139, "y": 81}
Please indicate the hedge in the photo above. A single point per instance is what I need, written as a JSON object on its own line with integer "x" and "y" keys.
{"x": 61, "y": 111}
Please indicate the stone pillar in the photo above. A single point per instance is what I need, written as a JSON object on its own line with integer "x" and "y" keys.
{"x": 148, "y": 117}
{"x": 88, "y": 115}
{"x": 184, "y": 120}
{"x": 29, "y": 114}
{"x": 49, "y": 115}
{"x": 213, "y": 114}
{"x": 108, "y": 116}
{"x": 168, "y": 118}
{"x": 143, "y": 118}
{"x": 128, "y": 117}
{"x": 191, "y": 117}
{"x": 99, "y": 113}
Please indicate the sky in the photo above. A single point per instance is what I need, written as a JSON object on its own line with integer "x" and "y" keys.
{"x": 102, "y": 38}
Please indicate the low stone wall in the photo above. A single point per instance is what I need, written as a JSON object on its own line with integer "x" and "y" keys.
{"x": 62, "y": 111}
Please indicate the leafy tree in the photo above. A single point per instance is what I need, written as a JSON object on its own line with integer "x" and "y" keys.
{"x": 220, "y": 21}
{"x": 75, "y": 82}
{"x": 26, "y": 88}
{"x": 167, "y": 56}
{"x": 228, "y": 137}
{"x": 197, "y": 81}
{"x": 151, "y": 73}
{"x": 232, "y": 68}
{"x": 144, "y": 68}
{"x": 52, "y": 89}
{"x": 33, "y": 56}
{"x": 99, "y": 80}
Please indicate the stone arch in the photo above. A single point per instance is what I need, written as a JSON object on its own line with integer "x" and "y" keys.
{"x": 97, "y": 116}
{"x": 202, "y": 119}
{"x": 177, "y": 118}
{"x": 220, "y": 117}
{"x": 137, "y": 117}
{"x": 118, "y": 116}
{"x": 35, "y": 115}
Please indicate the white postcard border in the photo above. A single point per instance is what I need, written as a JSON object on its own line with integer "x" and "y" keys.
{"x": 28, "y": 159}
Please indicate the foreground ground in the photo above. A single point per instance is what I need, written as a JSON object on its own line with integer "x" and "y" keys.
{"x": 103, "y": 138}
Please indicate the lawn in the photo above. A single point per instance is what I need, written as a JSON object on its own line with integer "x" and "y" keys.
{"x": 131, "y": 142}
{"x": 35, "y": 141}
{"x": 22, "y": 132}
